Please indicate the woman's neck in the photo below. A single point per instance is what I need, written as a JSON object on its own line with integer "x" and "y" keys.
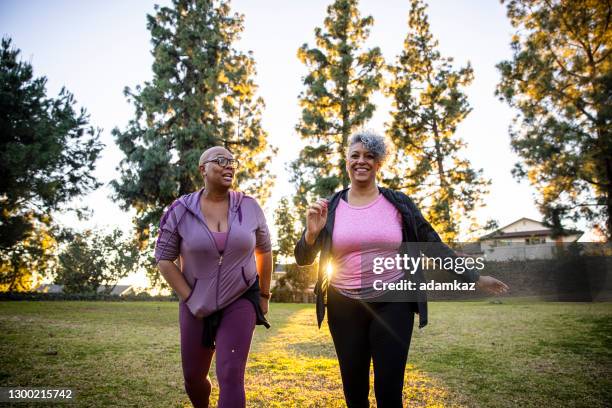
{"x": 360, "y": 191}
{"x": 362, "y": 195}
{"x": 215, "y": 195}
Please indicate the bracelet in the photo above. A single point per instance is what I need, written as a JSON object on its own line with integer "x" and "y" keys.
{"x": 265, "y": 295}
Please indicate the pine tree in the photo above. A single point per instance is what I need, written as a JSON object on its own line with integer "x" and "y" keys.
{"x": 286, "y": 229}
{"x": 202, "y": 94}
{"x": 299, "y": 278}
{"x": 47, "y": 158}
{"x": 336, "y": 101}
{"x": 428, "y": 105}
{"x": 560, "y": 80}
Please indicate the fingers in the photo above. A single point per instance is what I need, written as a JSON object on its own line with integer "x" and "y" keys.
{"x": 320, "y": 206}
{"x": 501, "y": 288}
{"x": 312, "y": 211}
{"x": 494, "y": 286}
{"x": 322, "y": 203}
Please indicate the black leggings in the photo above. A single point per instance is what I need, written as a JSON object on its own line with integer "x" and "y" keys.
{"x": 370, "y": 331}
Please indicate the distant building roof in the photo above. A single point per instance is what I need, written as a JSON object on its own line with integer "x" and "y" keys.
{"x": 543, "y": 232}
{"x": 50, "y": 288}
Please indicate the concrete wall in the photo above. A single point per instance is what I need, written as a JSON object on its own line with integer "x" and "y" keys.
{"x": 583, "y": 279}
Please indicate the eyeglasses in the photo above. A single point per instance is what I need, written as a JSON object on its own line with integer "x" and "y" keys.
{"x": 224, "y": 162}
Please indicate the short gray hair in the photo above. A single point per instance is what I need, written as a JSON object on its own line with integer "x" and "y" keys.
{"x": 373, "y": 142}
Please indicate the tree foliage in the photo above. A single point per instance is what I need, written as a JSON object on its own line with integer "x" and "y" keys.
{"x": 560, "y": 81}
{"x": 286, "y": 222}
{"x": 297, "y": 279}
{"x": 29, "y": 259}
{"x": 47, "y": 158}
{"x": 47, "y": 150}
{"x": 428, "y": 104}
{"x": 93, "y": 259}
{"x": 295, "y": 283}
{"x": 202, "y": 94}
{"x": 336, "y": 100}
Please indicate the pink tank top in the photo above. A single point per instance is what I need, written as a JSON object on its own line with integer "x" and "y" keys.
{"x": 360, "y": 235}
{"x": 220, "y": 238}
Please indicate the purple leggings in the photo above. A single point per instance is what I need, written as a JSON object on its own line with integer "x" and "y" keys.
{"x": 233, "y": 341}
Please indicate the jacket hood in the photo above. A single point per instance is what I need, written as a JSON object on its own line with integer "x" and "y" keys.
{"x": 192, "y": 202}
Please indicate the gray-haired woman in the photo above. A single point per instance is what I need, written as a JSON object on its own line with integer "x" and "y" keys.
{"x": 353, "y": 227}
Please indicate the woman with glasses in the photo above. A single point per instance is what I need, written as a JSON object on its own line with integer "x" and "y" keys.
{"x": 352, "y": 228}
{"x": 223, "y": 281}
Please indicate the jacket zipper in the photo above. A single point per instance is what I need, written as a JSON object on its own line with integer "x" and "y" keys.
{"x": 219, "y": 277}
{"x": 229, "y": 228}
{"x": 210, "y": 235}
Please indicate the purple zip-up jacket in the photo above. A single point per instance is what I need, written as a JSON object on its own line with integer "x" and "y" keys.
{"x": 216, "y": 279}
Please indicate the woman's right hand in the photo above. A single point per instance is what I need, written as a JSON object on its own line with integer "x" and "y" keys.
{"x": 185, "y": 296}
{"x": 492, "y": 285}
{"x": 316, "y": 217}
{"x": 174, "y": 277}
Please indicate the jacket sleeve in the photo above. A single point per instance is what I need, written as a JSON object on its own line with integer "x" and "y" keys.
{"x": 306, "y": 254}
{"x": 262, "y": 234}
{"x": 426, "y": 233}
{"x": 168, "y": 242}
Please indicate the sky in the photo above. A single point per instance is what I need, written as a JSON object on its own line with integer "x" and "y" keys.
{"x": 97, "y": 48}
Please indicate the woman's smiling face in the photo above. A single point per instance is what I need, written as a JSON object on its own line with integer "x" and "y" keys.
{"x": 361, "y": 164}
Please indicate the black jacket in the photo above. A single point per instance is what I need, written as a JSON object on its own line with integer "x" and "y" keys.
{"x": 414, "y": 229}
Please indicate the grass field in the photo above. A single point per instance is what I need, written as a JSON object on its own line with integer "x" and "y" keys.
{"x": 472, "y": 354}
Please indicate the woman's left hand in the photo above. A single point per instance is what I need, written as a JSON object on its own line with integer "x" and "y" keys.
{"x": 491, "y": 285}
{"x": 264, "y": 303}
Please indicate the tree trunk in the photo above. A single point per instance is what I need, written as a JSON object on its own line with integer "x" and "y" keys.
{"x": 345, "y": 114}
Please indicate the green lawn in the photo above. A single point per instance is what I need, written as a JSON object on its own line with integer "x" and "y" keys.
{"x": 472, "y": 354}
